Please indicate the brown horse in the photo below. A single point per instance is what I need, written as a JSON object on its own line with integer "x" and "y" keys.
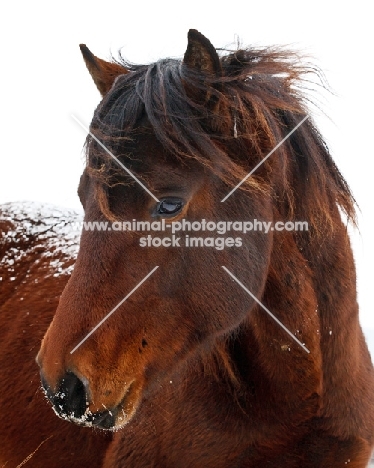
{"x": 184, "y": 365}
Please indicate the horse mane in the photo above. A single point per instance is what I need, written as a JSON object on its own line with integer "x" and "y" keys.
{"x": 256, "y": 102}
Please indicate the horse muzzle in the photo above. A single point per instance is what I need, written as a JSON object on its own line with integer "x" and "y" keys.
{"x": 70, "y": 402}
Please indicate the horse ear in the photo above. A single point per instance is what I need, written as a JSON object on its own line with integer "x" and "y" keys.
{"x": 201, "y": 55}
{"x": 103, "y": 73}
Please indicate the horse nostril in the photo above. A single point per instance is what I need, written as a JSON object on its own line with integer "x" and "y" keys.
{"x": 70, "y": 399}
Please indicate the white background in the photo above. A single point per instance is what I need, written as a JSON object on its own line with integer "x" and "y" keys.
{"x": 44, "y": 81}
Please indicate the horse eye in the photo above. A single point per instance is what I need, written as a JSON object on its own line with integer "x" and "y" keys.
{"x": 169, "y": 206}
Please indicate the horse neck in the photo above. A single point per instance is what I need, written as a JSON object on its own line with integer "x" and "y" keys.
{"x": 310, "y": 288}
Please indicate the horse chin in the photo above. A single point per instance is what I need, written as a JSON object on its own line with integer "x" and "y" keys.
{"x": 109, "y": 420}
{"x": 114, "y": 418}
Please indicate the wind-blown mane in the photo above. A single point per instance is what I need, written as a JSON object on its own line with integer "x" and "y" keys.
{"x": 256, "y": 102}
